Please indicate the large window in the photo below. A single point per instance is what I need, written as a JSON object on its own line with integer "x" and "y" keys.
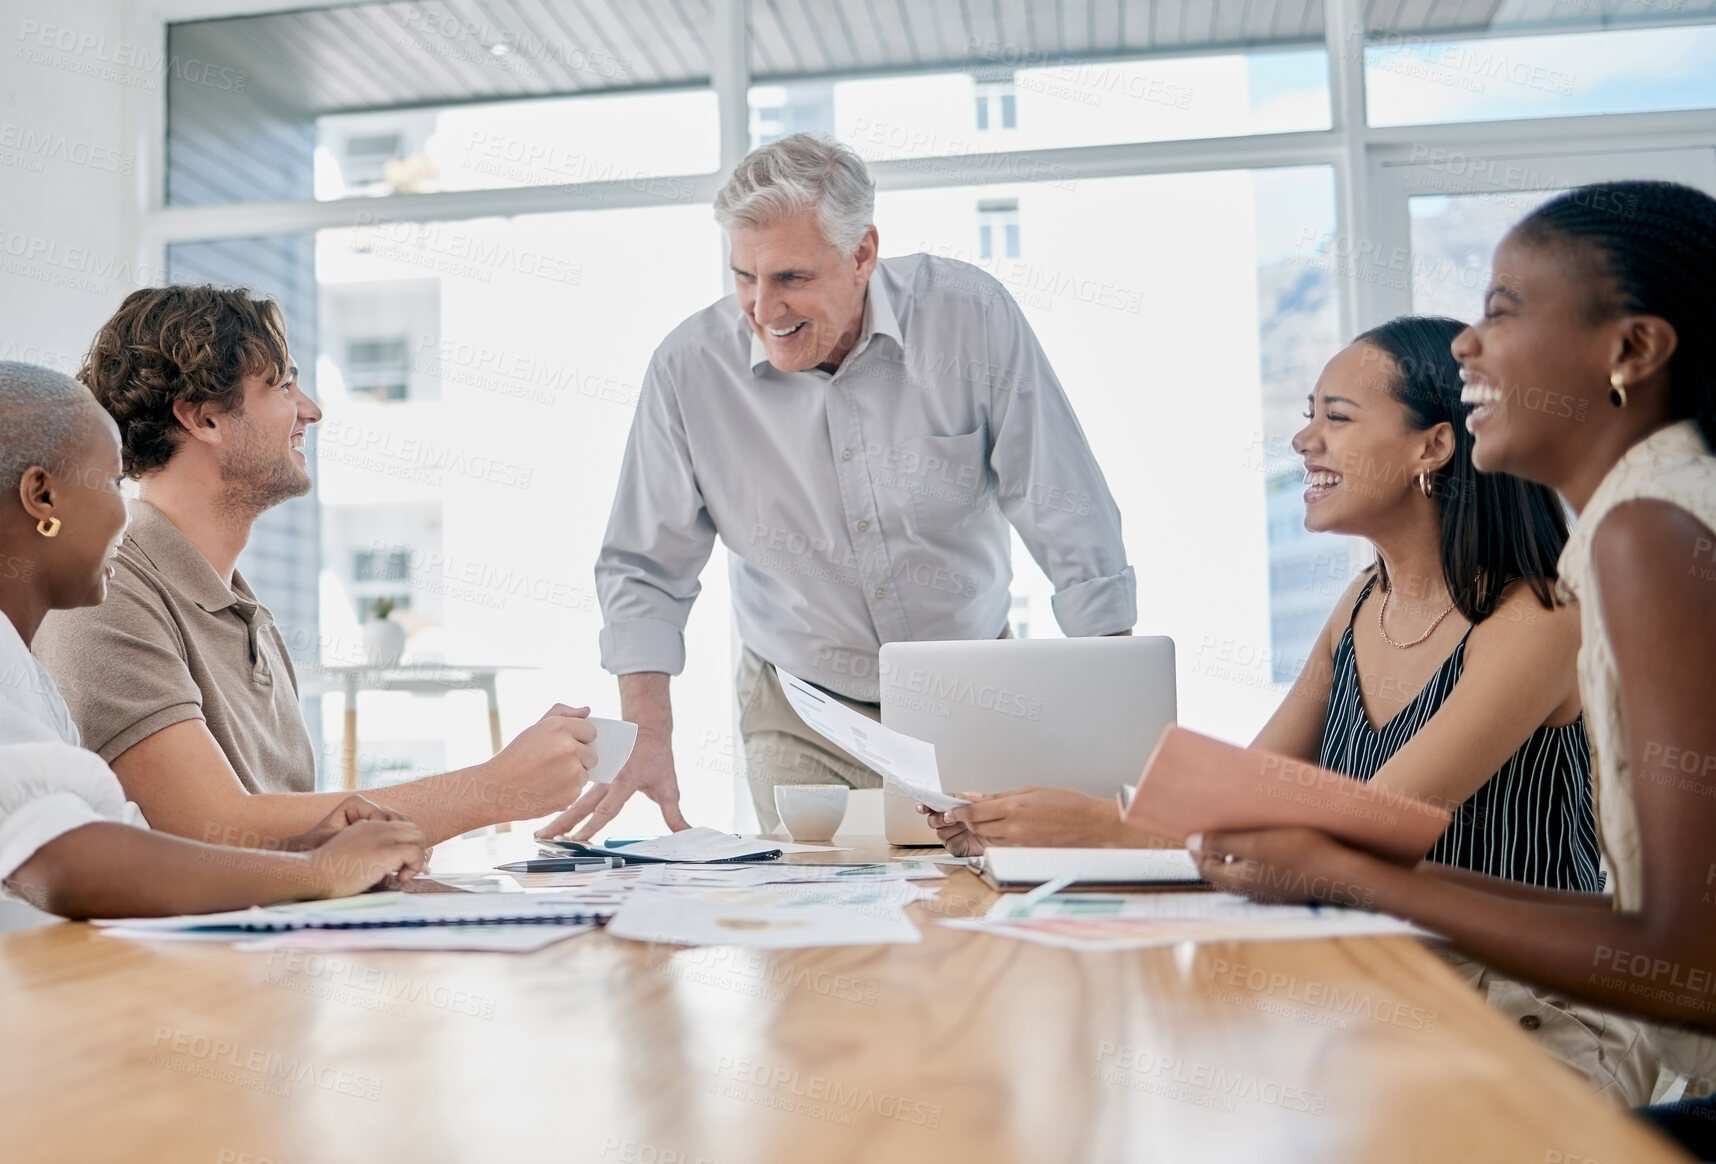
{"x": 639, "y": 140}
{"x": 1187, "y": 328}
{"x": 476, "y": 500}
{"x": 1417, "y": 78}
{"x": 1044, "y": 105}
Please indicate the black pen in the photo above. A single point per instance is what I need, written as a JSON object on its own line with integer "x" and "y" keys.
{"x": 561, "y": 865}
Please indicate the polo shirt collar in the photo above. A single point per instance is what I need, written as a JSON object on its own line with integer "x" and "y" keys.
{"x": 879, "y": 319}
{"x": 155, "y": 535}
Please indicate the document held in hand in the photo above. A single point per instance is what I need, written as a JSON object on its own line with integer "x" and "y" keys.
{"x": 905, "y": 763}
{"x": 1195, "y": 784}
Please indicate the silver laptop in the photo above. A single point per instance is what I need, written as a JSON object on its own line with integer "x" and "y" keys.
{"x": 1007, "y": 713}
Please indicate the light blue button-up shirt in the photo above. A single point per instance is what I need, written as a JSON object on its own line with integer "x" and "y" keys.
{"x": 865, "y": 506}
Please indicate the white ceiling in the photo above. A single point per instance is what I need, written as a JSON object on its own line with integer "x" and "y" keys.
{"x": 386, "y": 55}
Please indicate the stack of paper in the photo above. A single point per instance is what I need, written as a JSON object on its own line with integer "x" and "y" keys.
{"x": 766, "y": 905}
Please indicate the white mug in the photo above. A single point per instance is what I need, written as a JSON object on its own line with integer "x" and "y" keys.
{"x": 615, "y": 739}
{"x": 811, "y": 812}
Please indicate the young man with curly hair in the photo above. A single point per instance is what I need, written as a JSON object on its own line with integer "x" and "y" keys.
{"x": 181, "y": 679}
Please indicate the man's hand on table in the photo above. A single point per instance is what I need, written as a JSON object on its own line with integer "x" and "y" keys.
{"x": 650, "y": 771}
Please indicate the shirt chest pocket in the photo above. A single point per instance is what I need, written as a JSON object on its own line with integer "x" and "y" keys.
{"x": 938, "y": 483}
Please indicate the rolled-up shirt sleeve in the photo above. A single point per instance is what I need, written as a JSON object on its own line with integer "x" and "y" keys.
{"x": 659, "y": 538}
{"x": 1049, "y": 484}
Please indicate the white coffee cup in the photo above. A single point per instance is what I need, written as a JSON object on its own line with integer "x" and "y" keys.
{"x": 811, "y": 812}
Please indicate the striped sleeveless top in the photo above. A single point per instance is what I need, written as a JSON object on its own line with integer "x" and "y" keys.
{"x": 1531, "y": 822}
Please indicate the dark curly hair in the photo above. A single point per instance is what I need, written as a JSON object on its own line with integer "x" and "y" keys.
{"x": 183, "y": 343}
{"x": 1654, "y": 246}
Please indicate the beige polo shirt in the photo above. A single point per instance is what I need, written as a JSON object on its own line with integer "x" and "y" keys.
{"x": 171, "y": 643}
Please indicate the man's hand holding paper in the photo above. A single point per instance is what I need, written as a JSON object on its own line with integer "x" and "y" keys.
{"x": 906, "y": 765}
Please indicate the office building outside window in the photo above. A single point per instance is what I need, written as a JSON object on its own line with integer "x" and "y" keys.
{"x": 998, "y": 229}
{"x": 997, "y": 106}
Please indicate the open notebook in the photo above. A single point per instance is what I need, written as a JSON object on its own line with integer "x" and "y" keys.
{"x": 379, "y": 910}
{"x": 1021, "y": 868}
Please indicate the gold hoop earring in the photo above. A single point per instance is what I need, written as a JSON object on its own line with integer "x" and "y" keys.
{"x": 1617, "y": 389}
{"x": 1424, "y": 483}
{"x": 49, "y": 527}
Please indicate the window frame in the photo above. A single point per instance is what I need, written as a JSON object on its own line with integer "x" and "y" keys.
{"x": 1361, "y": 156}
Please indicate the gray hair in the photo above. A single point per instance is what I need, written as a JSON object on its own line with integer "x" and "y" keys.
{"x": 42, "y": 418}
{"x": 803, "y": 169}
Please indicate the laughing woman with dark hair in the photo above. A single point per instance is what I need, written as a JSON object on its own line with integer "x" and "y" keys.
{"x": 1604, "y": 294}
{"x": 1445, "y": 671}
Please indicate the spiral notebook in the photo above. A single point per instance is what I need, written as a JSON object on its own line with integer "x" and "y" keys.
{"x": 381, "y": 910}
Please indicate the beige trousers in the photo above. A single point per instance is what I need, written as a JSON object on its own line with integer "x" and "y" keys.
{"x": 1609, "y": 1050}
{"x": 780, "y": 749}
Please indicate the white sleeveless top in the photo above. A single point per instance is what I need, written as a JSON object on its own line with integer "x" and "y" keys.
{"x": 1672, "y": 465}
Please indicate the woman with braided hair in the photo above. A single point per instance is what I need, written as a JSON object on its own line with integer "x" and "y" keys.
{"x": 1605, "y": 295}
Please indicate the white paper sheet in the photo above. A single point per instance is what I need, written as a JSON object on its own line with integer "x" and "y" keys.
{"x": 698, "y": 844}
{"x": 615, "y": 739}
{"x": 872, "y": 896}
{"x": 906, "y": 764}
{"x": 775, "y": 873}
{"x": 225, "y": 936}
{"x": 1155, "y": 906}
{"x": 666, "y": 916}
{"x": 1093, "y": 922}
{"x": 496, "y": 939}
{"x": 479, "y": 882}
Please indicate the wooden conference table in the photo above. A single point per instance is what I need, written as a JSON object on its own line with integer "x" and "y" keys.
{"x": 963, "y": 1047}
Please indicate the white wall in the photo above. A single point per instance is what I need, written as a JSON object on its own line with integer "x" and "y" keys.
{"x": 73, "y": 112}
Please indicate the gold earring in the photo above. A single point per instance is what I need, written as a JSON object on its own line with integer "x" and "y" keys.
{"x": 1617, "y": 389}
{"x": 1424, "y": 483}
{"x": 49, "y": 527}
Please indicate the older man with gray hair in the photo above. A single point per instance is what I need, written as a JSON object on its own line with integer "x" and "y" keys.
{"x": 859, "y": 433}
